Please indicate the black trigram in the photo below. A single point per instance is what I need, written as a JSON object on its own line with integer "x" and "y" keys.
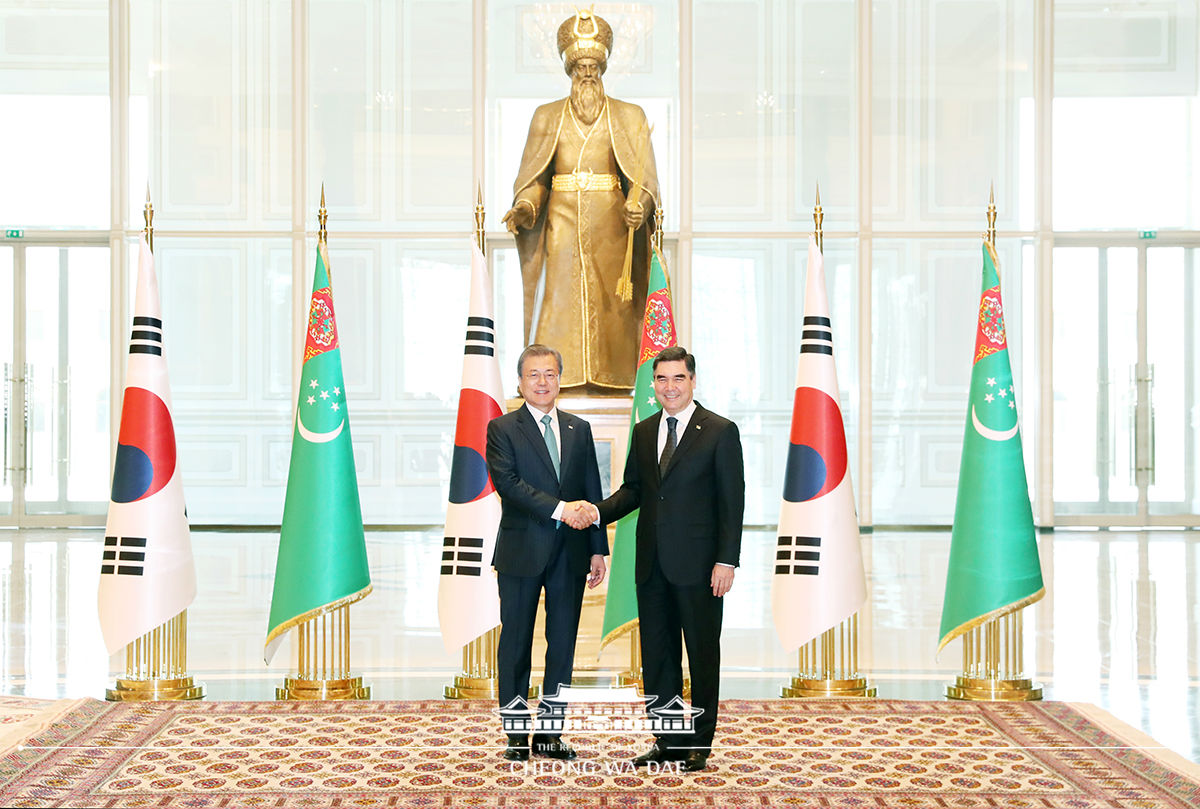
{"x": 147, "y": 336}
{"x": 481, "y": 336}
{"x": 816, "y": 337}
{"x": 124, "y": 556}
{"x": 789, "y": 552}
{"x": 466, "y": 553}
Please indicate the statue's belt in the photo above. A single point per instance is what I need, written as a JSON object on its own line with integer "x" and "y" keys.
{"x": 585, "y": 181}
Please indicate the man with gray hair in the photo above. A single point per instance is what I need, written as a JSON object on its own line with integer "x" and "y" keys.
{"x": 542, "y": 462}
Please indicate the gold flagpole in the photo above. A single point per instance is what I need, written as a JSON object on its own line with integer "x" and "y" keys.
{"x": 323, "y": 641}
{"x": 156, "y": 663}
{"x": 993, "y": 652}
{"x": 828, "y": 664}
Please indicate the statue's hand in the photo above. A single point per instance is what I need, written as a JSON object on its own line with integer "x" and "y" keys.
{"x": 634, "y": 215}
{"x": 519, "y": 217}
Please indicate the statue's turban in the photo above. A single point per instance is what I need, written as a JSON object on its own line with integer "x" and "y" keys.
{"x": 584, "y": 36}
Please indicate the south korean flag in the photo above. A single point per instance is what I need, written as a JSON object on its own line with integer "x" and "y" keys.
{"x": 147, "y": 575}
{"x": 818, "y": 570}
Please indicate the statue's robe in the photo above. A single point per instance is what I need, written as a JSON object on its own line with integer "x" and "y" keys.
{"x": 573, "y": 256}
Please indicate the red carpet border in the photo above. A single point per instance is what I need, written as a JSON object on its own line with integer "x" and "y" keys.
{"x": 801, "y": 753}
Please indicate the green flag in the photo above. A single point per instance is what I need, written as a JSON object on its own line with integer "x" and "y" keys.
{"x": 658, "y": 332}
{"x": 994, "y": 567}
{"x": 322, "y": 562}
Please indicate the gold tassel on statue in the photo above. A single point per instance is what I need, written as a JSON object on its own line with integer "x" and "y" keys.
{"x": 625, "y": 283}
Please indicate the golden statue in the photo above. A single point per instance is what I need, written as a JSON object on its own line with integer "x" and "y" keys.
{"x": 586, "y": 189}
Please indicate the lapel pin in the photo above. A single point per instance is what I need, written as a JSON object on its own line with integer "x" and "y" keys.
{"x": 697, "y": 426}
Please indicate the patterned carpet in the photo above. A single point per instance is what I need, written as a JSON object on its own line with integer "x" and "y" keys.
{"x": 816, "y": 753}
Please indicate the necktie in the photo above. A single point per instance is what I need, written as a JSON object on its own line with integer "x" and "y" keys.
{"x": 669, "y": 449}
{"x": 551, "y": 444}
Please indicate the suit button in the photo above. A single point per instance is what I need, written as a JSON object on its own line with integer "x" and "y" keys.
{"x": 660, "y": 497}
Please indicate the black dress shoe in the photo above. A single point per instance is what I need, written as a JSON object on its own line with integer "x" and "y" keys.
{"x": 696, "y": 760}
{"x": 517, "y": 749}
{"x": 553, "y": 747}
{"x": 657, "y": 754}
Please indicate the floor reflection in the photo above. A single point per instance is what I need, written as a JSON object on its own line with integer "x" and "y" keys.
{"x": 1120, "y": 625}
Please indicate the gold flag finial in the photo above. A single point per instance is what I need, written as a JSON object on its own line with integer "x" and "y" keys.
{"x": 658, "y": 228}
{"x": 818, "y": 218}
{"x": 479, "y": 215}
{"x": 322, "y": 218}
{"x": 148, "y": 215}
{"x": 990, "y": 236}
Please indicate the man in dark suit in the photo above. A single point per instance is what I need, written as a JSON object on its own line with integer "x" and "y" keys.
{"x": 684, "y": 471}
{"x": 539, "y": 458}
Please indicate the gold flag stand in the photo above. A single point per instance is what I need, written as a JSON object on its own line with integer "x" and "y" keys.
{"x": 323, "y": 660}
{"x": 993, "y": 660}
{"x": 156, "y": 666}
{"x": 993, "y": 652}
{"x": 323, "y": 641}
{"x": 156, "y": 663}
{"x": 828, "y": 664}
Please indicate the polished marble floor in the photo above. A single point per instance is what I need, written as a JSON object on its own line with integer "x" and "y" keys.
{"x": 1119, "y": 627}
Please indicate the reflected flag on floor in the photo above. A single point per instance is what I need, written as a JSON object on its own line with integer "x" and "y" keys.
{"x": 818, "y": 570}
{"x": 322, "y": 560}
{"x": 147, "y": 574}
{"x": 468, "y": 601}
{"x": 658, "y": 332}
{"x": 994, "y": 567}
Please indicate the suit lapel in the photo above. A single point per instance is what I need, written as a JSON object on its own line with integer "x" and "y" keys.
{"x": 566, "y": 431}
{"x": 533, "y": 433}
{"x": 689, "y": 438}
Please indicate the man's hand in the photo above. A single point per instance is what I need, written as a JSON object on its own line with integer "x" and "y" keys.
{"x": 634, "y": 215}
{"x": 519, "y": 217}
{"x": 579, "y": 514}
{"x": 722, "y": 579}
{"x": 597, "y": 574}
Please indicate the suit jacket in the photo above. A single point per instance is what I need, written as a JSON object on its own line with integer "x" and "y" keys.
{"x": 523, "y": 475}
{"x": 691, "y": 517}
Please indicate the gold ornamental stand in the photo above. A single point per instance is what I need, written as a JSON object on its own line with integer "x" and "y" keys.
{"x": 323, "y": 660}
{"x": 828, "y": 664}
{"x": 156, "y": 663}
{"x": 323, "y": 641}
{"x": 993, "y": 660}
{"x": 993, "y": 652}
{"x": 156, "y": 666}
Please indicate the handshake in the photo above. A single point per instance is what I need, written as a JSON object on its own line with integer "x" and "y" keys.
{"x": 580, "y": 514}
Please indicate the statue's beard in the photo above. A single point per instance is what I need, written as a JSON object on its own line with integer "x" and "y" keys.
{"x": 587, "y": 99}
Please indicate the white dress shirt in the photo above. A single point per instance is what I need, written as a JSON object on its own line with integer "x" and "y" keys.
{"x": 537, "y": 418}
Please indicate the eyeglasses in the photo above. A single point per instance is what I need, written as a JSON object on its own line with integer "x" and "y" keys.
{"x": 538, "y": 376}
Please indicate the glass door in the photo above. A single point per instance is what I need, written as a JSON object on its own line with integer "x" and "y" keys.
{"x": 56, "y": 384}
{"x": 1125, "y": 361}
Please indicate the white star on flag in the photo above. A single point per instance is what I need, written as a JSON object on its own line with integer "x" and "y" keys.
{"x": 337, "y": 391}
{"x": 1003, "y": 393}
{"x": 334, "y": 405}
{"x": 991, "y": 381}
{"x": 313, "y": 384}
{"x": 989, "y": 398}
{"x": 1012, "y": 404}
{"x": 324, "y": 394}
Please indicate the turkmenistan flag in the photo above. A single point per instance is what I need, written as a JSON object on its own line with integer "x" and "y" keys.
{"x": 322, "y": 563}
{"x": 658, "y": 332}
{"x": 994, "y": 567}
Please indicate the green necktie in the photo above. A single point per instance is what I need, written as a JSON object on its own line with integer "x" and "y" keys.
{"x": 551, "y": 444}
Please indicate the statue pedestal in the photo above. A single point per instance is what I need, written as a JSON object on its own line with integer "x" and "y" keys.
{"x": 609, "y": 417}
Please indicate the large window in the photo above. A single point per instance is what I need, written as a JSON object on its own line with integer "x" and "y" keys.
{"x": 906, "y": 113}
